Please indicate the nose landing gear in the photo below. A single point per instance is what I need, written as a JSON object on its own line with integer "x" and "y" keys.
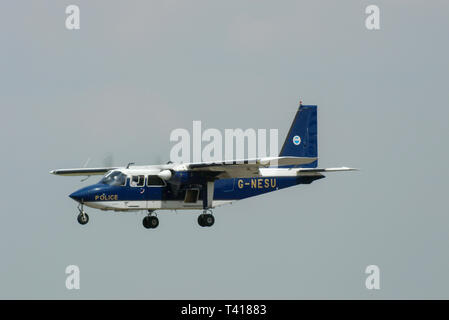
{"x": 83, "y": 218}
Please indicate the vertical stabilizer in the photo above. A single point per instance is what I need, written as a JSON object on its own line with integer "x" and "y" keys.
{"x": 302, "y": 138}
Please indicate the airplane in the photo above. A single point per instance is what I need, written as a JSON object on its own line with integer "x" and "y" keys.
{"x": 204, "y": 185}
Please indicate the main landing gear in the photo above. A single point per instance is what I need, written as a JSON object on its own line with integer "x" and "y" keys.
{"x": 206, "y": 219}
{"x": 150, "y": 221}
{"x": 83, "y": 218}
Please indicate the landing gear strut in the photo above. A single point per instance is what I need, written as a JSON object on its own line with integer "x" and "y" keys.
{"x": 150, "y": 221}
{"x": 83, "y": 218}
{"x": 206, "y": 219}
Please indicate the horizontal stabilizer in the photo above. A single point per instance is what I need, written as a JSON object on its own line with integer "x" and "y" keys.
{"x": 317, "y": 171}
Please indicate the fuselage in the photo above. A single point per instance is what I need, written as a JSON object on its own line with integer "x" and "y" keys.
{"x": 133, "y": 189}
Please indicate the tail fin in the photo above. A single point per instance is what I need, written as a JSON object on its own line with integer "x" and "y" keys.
{"x": 302, "y": 138}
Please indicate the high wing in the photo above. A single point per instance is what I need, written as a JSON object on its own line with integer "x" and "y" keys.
{"x": 244, "y": 168}
{"x": 82, "y": 171}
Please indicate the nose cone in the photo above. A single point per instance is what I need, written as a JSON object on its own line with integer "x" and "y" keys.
{"x": 80, "y": 195}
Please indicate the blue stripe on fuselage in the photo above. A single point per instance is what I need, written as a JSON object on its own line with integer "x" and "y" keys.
{"x": 225, "y": 189}
{"x": 250, "y": 187}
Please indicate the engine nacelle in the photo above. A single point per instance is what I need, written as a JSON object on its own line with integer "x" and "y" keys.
{"x": 165, "y": 174}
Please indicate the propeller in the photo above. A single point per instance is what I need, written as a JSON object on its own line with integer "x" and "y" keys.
{"x": 84, "y": 166}
{"x": 108, "y": 160}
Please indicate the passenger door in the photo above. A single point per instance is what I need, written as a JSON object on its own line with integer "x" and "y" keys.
{"x": 136, "y": 192}
{"x": 155, "y": 191}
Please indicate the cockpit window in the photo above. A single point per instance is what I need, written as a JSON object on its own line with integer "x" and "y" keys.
{"x": 137, "y": 181}
{"x": 115, "y": 178}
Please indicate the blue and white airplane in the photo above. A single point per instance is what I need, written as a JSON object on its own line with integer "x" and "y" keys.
{"x": 204, "y": 185}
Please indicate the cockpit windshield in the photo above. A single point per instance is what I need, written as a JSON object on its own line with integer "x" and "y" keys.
{"x": 115, "y": 178}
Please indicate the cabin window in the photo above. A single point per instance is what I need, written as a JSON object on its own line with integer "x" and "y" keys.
{"x": 137, "y": 181}
{"x": 115, "y": 178}
{"x": 155, "y": 181}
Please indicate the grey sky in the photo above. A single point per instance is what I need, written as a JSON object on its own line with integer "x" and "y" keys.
{"x": 138, "y": 69}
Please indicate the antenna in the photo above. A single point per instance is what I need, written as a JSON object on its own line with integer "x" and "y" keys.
{"x": 127, "y": 167}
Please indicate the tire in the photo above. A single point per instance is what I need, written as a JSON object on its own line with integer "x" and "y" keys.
{"x": 201, "y": 220}
{"x": 83, "y": 218}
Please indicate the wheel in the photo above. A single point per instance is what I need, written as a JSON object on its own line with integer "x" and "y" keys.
{"x": 83, "y": 218}
{"x": 150, "y": 222}
{"x": 154, "y": 222}
{"x": 209, "y": 220}
{"x": 206, "y": 220}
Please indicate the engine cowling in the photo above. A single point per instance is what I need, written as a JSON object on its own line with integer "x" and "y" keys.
{"x": 165, "y": 174}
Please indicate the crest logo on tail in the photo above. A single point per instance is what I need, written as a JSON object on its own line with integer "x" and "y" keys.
{"x": 297, "y": 140}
